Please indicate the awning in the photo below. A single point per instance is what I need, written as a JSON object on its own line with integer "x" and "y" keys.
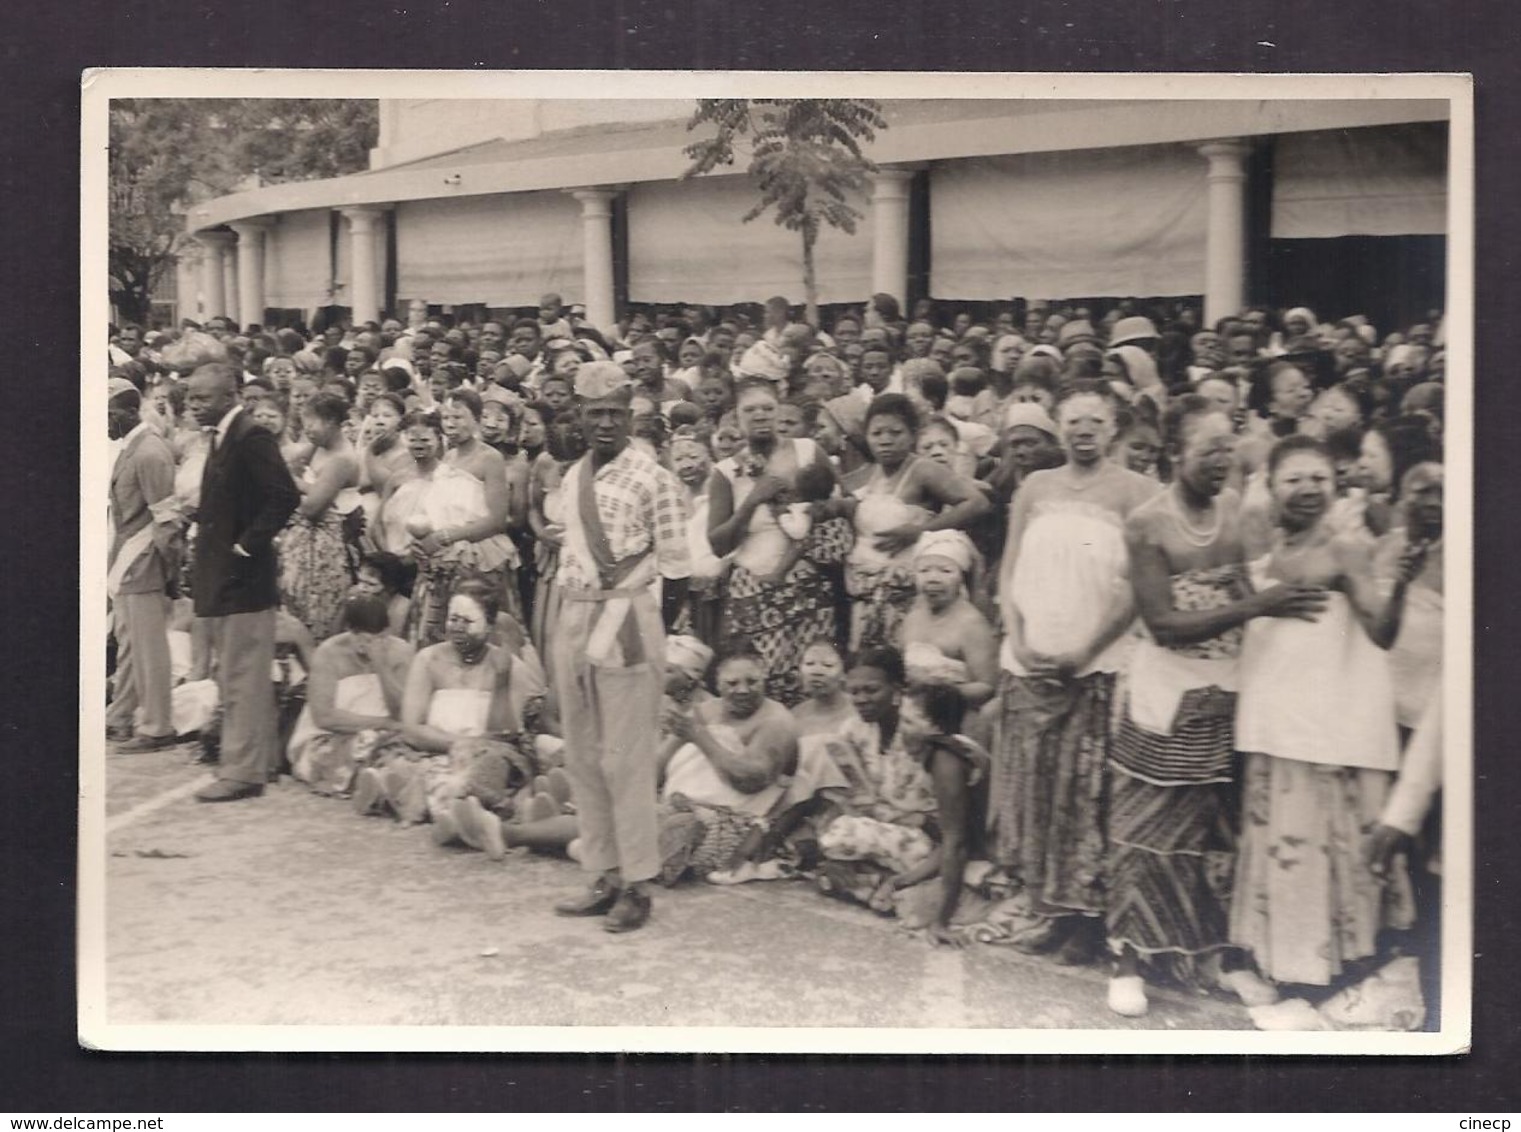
{"x": 687, "y": 243}
{"x": 1382, "y": 181}
{"x": 298, "y": 261}
{"x": 1125, "y": 221}
{"x": 503, "y": 250}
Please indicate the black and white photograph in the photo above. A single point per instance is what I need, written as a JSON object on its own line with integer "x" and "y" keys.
{"x": 786, "y": 562}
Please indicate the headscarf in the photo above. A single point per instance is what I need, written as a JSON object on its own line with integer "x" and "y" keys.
{"x": 1403, "y": 354}
{"x": 763, "y": 360}
{"x": 952, "y": 545}
{"x": 597, "y": 381}
{"x": 1031, "y": 414}
{"x": 687, "y": 434}
{"x": 1140, "y": 367}
{"x": 849, "y": 412}
{"x": 1045, "y": 350}
{"x": 1073, "y": 332}
{"x": 688, "y": 654}
{"x": 1301, "y": 312}
{"x": 196, "y": 348}
{"x": 308, "y": 362}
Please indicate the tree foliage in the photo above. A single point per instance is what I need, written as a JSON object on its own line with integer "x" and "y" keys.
{"x": 805, "y": 158}
{"x": 167, "y": 154}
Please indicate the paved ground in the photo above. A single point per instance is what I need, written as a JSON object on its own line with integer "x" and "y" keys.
{"x": 289, "y": 909}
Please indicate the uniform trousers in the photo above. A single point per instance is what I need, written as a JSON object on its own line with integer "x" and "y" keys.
{"x": 610, "y": 716}
{"x": 141, "y": 693}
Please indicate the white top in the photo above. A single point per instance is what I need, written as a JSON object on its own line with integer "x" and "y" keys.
{"x": 1315, "y": 691}
{"x": 1072, "y": 566}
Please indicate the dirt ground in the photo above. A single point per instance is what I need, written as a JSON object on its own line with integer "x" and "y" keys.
{"x": 290, "y": 909}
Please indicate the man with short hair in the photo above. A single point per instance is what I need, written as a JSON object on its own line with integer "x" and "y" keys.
{"x": 493, "y": 338}
{"x": 624, "y": 526}
{"x": 525, "y": 339}
{"x": 246, "y": 497}
{"x": 129, "y": 341}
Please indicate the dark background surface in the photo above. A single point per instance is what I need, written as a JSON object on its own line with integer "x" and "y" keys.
{"x": 47, "y": 45}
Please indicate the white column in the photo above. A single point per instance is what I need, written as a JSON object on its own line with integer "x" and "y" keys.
{"x": 213, "y": 275}
{"x": 364, "y": 287}
{"x": 1225, "y": 240}
{"x": 187, "y": 284}
{"x": 251, "y": 268}
{"x": 597, "y": 255}
{"x": 230, "y": 278}
{"x": 889, "y": 228}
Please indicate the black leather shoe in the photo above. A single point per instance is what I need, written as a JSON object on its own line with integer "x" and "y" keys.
{"x": 629, "y": 913}
{"x": 595, "y": 901}
{"x": 226, "y": 790}
{"x": 140, "y": 744}
{"x": 118, "y": 734}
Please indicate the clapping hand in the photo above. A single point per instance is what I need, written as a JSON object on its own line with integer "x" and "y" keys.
{"x": 681, "y": 725}
{"x": 1413, "y": 561}
{"x": 895, "y": 540}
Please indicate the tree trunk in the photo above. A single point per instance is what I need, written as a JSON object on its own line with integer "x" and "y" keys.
{"x": 810, "y": 285}
{"x": 133, "y": 301}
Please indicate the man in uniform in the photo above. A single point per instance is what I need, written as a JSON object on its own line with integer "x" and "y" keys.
{"x": 625, "y": 527}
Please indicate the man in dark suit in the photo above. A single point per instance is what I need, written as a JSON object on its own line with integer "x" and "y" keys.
{"x": 246, "y": 497}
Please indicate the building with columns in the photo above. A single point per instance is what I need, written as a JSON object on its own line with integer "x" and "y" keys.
{"x": 487, "y": 204}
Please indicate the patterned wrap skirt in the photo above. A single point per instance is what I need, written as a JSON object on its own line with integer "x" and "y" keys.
{"x": 1048, "y": 796}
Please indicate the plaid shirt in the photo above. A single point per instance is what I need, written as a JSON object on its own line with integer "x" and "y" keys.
{"x": 640, "y": 503}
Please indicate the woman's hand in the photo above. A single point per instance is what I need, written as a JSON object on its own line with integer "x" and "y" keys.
{"x": 896, "y": 540}
{"x": 766, "y": 489}
{"x": 940, "y": 935}
{"x": 1412, "y": 561}
{"x": 552, "y": 534}
{"x": 682, "y": 726}
{"x": 1293, "y": 600}
{"x": 1382, "y": 844}
{"x": 430, "y": 544}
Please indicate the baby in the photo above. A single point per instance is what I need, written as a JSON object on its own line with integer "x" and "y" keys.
{"x": 794, "y": 508}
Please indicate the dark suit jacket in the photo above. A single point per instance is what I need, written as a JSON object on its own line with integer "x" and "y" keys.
{"x": 247, "y": 495}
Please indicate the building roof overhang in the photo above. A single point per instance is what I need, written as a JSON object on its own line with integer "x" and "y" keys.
{"x": 921, "y": 130}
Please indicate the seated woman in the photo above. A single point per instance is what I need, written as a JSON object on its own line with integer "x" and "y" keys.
{"x": 457, "y": 694}
{"x": 826, "y": 709}
{"x": 732, "y": 753}
{"x": 946, "y": 641}
{"x": 876, "y": 826}
{"x": 385, "y": 576}
{"x": 354, "y": 691}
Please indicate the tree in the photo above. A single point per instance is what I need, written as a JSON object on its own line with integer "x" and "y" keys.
{"x": 167, "y": 154}
{"x": 805, "y": 159}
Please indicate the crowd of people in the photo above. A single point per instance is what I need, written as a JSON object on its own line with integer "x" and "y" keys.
{"x": 1104, "y": 635}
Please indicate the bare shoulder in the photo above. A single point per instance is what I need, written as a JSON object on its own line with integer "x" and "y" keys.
{"x": 1138, "y": 489}
{"x": 1037, "y": 484}
{"x": 1143, "y": 520}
